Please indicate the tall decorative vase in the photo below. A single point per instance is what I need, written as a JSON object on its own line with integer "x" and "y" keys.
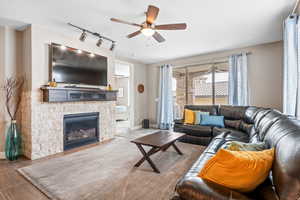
{"x": 13, "y": 142}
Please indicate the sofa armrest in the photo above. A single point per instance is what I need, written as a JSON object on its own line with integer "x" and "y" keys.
{"x": 178, "y": 121}
{"x": 195, "y": 188}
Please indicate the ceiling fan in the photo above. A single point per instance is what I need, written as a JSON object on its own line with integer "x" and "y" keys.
{"x": 148, "y": 27}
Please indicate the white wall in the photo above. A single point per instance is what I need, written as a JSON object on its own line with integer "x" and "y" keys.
{"x": 2, "y": 77}
{"x": 9, "y": 62}
{"x": 265, "y": 74}
{"x": 140, "y": 100}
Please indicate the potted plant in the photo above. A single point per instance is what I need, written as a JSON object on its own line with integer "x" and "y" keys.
{"x": 13, "y": 92}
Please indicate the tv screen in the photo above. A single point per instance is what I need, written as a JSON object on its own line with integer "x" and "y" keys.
{"x": 70, "y": 66}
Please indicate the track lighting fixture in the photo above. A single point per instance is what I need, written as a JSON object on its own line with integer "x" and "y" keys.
{"x": 113, "y": 45}
{"x": 99, "y": 42}
{"x": 101, "y": 38}
{"x": 83, "y": 36}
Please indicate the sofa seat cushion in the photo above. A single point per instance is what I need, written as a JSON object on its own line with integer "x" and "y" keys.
{"x": 230, "y": 134}
{"x": 195, "y": 130}
{"x": 195, "y": 188}
{"x": 199, "y": 164}
{"x": 220, "y": 132}
{"x": 203, "y": 141}
{"x": 235, "y": 135}
{"x": 242, "y": 146}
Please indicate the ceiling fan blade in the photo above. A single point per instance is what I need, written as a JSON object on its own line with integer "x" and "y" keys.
{"x": 152, "y": 13}
{"x": 158, "y": 37}
{"x": 133, "y": 34}
{"x": 181, "y": 26}
{"x": 124, "y": 22}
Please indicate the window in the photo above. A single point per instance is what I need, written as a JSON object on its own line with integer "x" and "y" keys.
{"x": 200, "y": 85}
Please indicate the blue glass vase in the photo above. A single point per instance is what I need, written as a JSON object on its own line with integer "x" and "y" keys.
{"x": 13, "y": 142}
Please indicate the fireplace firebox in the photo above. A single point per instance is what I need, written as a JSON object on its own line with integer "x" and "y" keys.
{"x": 80, "y": 129}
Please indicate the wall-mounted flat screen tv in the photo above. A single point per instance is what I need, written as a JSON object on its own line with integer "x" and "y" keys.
{"x": 72, "y": 66}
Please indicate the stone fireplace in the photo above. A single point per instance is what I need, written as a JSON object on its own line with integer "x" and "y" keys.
{"x": 80, "y": 129}
{"x": 42, "y": 125}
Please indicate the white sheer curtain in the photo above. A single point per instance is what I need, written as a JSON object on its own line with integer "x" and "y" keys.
{"x": 165, "y": 114}
{"x": 291, "y": 66}
{"x": 238, "y": 92}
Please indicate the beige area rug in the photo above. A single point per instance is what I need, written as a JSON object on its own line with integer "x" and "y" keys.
{"x": 107, "y": 172}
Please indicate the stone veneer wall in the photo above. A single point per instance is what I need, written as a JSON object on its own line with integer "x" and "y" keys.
{"x": 42, "y": 123}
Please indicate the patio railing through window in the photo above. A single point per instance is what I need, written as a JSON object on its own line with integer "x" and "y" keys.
{"x": 200, "y": 85}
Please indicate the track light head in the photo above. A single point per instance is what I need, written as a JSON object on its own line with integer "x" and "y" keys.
{"x": 83, "y": 36}
{"x": 113, "y": 45}
{"x": 99, "y": 42}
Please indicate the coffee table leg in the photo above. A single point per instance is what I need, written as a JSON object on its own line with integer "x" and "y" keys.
{"x": 165, "y": 148}
{"x": 146, "y": 156}
{"x": 149, "y": 153}
{"x": 177, "y": 149}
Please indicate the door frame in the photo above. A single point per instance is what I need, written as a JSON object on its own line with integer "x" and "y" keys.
{"x": 130, "y": 92}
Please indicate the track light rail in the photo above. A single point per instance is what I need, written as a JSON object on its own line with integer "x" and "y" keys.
{"x": 98, "y": 35}
{"x": 92, "y": 33}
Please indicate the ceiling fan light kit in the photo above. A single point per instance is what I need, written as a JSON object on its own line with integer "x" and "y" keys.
{"x": 85, "y": 32}
{"x": 148, "y": 31}
{"x": 148, "y": 28}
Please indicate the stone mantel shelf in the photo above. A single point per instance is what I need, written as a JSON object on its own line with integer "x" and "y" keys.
{"x": 73, "y": 94}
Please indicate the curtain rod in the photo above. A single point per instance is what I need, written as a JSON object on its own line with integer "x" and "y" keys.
{"x": 210, "y": 62}
{"x": 295, "y": 7}
{"x": 199, "y": 64}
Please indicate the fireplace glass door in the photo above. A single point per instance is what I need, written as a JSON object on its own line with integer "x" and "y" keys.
{"x": 80, "y": 129}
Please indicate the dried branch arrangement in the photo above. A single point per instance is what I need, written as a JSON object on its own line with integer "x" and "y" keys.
{"x": 13, "y": 88}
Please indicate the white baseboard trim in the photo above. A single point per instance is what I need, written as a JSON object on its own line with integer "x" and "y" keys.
{"x": 2, "y": 155}
{"x": 136, "y": 127}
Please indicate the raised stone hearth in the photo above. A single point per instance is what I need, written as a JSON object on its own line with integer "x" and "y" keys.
{"x": 42, "y": 123}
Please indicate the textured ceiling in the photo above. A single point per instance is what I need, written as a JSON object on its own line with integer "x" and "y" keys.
{"x": 213, "y": 25}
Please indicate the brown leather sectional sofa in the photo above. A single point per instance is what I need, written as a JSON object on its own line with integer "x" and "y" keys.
{"x": 246, "y": 124}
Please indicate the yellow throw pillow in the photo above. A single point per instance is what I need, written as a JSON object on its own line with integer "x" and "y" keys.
{"x": 189, "y": 116}
{"x": 238, "y": 170}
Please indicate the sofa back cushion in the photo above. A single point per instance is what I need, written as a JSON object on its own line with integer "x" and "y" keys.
{"x": 212, "y": 109}
{"x": 250, "y": 114}
{"x": 261, "y": 113}
{"x": 284, "y": 135}
{"x": 267, "y": 121}
{"x": 232, "y": 112}
{"x": 232, "y": 123}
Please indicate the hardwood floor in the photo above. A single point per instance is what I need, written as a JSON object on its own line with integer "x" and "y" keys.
{"x": 14, "y": 186}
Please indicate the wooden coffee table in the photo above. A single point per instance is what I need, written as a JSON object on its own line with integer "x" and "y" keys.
{"x": 159, "y": 141}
